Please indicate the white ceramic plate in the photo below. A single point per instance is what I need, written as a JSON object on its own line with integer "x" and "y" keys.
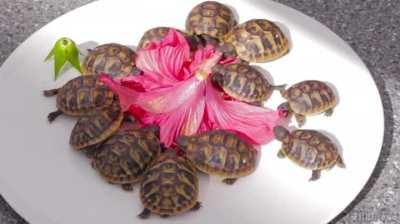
{"x": 47, "y": 182}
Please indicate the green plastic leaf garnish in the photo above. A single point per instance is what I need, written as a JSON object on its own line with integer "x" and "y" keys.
{"x": 64, "y": 50}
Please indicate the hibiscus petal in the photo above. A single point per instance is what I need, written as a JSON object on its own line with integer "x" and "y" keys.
{"x": 183, "y": 120}
{"x": 164, "y": 61}
{"x": 161, "y": 100}
{"x": 255, "y": 123}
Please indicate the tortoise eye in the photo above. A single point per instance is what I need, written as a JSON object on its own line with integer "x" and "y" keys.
{"x": 283, "y": 112}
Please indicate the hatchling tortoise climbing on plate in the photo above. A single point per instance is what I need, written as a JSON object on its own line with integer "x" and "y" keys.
{"x": 124, "y": 157}
{"x": 257, "y": 40}
{"x": 170, "y": 186}
{"x": 210, "y": 18}
{"x": 221, "y": 153}
{"x": 89, "y": 131}
{"x": 309, "y": 149}
{"x": 81, "y": 96}
{"x": 308, "y": 98}
{"x": 244, "y": 82}
{"x": 113, "y": 59}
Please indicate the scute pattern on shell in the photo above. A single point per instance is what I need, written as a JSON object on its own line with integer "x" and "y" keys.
{"x": 258, "y": 40}
{"x": 112, "y": 59}
{"x": 170, "y": 185}
{"x": 243, "y": 82}
{"x": 153, "y": 35}
{"x": 211, "y": 18}
{"x": 311, "y": 149}
{"x": 310, "y": 97}
{"x": 124, "y": 157}
{"x": 91, "y": 130}
{"x": 83, "y": 95}
{"x": 221, "y": 153}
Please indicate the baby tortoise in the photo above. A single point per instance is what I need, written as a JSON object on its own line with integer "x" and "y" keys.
{"x": 123, "y": 158}
{"x": 257, "y": 40}
{"x": 94, "y": 129}
{"x": 244, "y": 82}
{"x": 308, "y": 98}
{"x": 220, "y": 152}
{"x": 112, "y": 59}
{"x": 309, "y": 149}
{"x": 81, "y": 96}
{"x": 211, "y": 18}
{"x": 170, "y": 186}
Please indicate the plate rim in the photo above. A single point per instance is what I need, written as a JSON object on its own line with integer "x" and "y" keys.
{"x": 34, "y": 217}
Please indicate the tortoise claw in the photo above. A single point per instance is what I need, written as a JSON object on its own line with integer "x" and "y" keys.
{"x": 229, "y": 181}
{"x": 329, "y": 112}
{"x": 145, "y": 214}
{"x": 196, "y": 207}
{"x": 53, "y": 115}
{"x": 50, "y": 92}
{"x": 127, "y": 187}
{"x": 316, "y": 174}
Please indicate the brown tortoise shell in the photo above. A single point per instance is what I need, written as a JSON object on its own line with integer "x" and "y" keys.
{"x": 94, "y": 129}
{"x": 211, "y": 18}
{"x": 83, "y": 95}
{"x": 220, "y": 152}
{"x": 258, "y": 40}
{"x": 311, "y": 149}
{"x": 154, "y": 35}
{"x": 243, "y": 82}
{"x": 310, "y": 97}
{"x": 170, "y": 186}
{"x": 112, "y": 59}
{"x": 123, "y": 158}
{"x": 151, "y": 35}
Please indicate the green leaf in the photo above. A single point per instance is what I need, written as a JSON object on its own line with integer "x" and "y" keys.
{"x": 59, "y": 61}
{"x": 64, "y": 50}
{"x": 73, "y": 58}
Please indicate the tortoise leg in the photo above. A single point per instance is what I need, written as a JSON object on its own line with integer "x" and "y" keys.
{"x": 301, "y": 119}
{"x": 281, "y": 154}
{"x": 53, "y": 115}
{"x": 329, "y": 112}
{"x": 196, "y": 207}
{"x": 340, "y": 163}
{"x": 93, "y": 165}
{"x": 50, "y": 92}
{"x": 316, "y": 174}
{"x": 229, "y": 181}
{"x": 127, "y": 187}
{"x": 145, "y": 214}
{"x": 164, "y": 216}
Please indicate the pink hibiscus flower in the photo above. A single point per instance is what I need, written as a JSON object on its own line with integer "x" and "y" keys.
{"x": 175, "y": 92}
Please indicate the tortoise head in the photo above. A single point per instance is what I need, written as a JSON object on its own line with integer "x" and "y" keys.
{"x": 227, "y": 49}
{"x": 182, "y": 142}
{"x": 281, "y": 133}
{"x": 154, "y": 129}
{"x": 284, "y": 110}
